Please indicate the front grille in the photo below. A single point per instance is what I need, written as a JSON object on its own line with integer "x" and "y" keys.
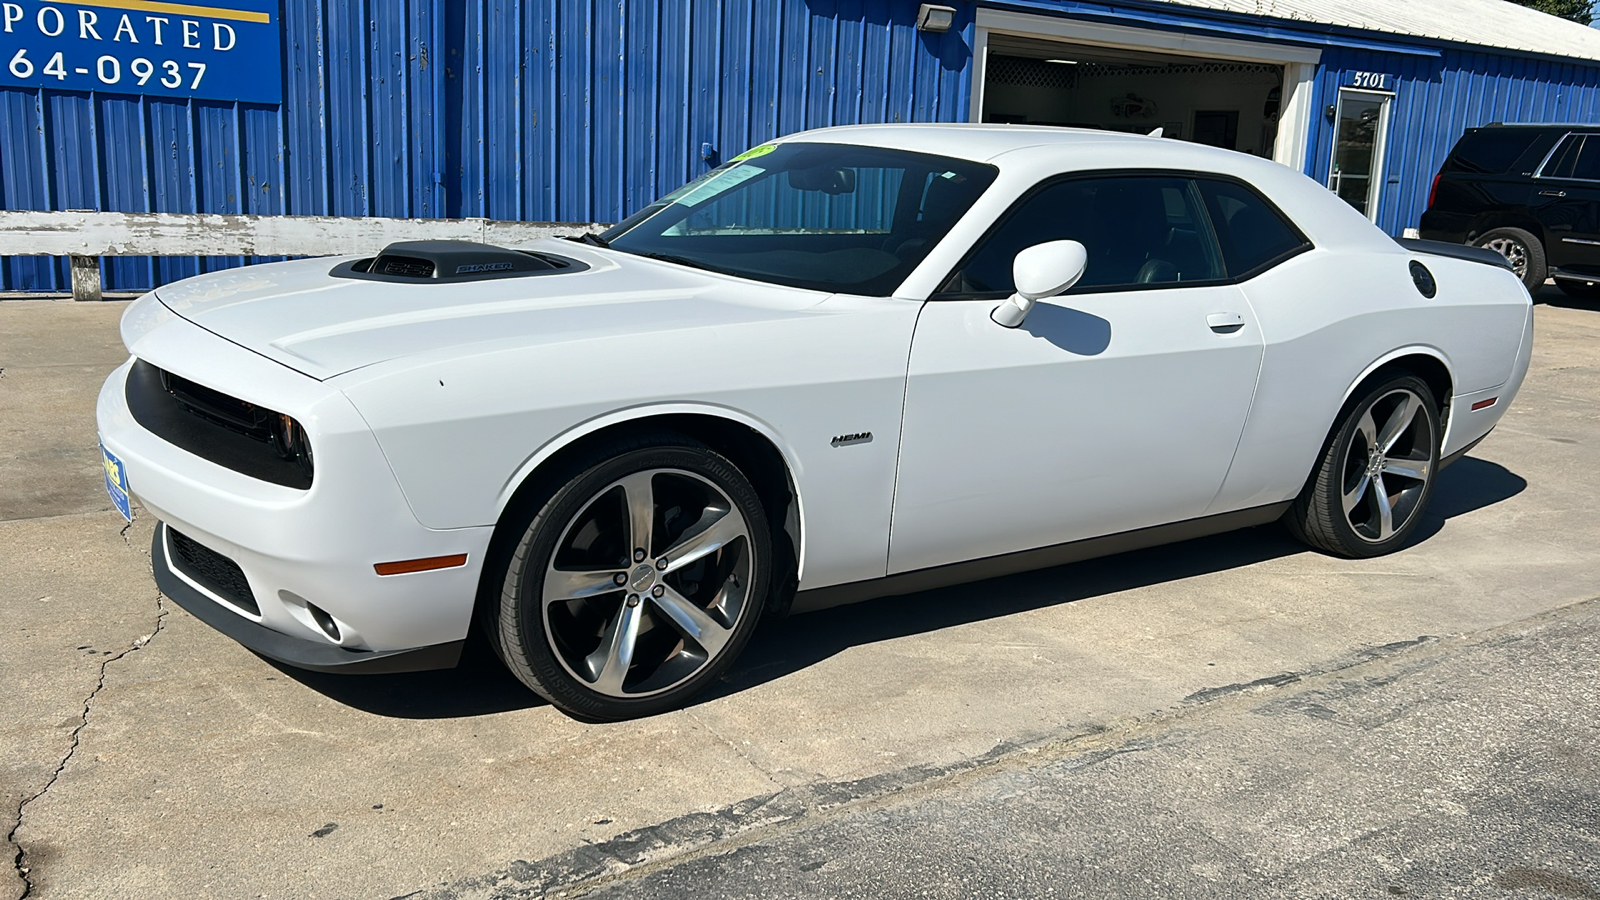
{"x": 229, "y": 412}
{"x": 230, "y": 432}
{"x": 217, "y": 573}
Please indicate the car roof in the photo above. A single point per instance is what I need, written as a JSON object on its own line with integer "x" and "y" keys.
{"x": 1040, "y": 147}
{"x": 977, "y": 142}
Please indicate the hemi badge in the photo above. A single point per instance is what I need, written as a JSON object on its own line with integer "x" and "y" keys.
{"x": 1484, "y": 404}
{"x": 845, "y": 440}
{"x": 406, "y": 566}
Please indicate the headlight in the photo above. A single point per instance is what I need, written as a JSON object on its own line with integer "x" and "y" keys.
{"x": 289, "y": 439}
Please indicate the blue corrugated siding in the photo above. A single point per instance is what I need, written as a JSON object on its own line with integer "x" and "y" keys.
{"x": 1436, "y": 99}
{"x": 540, "y": 110}
{"x": 584, "y": 110}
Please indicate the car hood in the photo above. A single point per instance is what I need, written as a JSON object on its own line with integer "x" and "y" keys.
{"x": 322, "y": 325}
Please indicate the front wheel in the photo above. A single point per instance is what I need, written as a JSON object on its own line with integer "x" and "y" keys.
{"x": 1376, "y": 475}
{"x": 638, "y": 582}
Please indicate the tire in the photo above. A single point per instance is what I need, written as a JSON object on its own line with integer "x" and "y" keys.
{"x": 1339, "y": 512}
{"x": 606, "y": 633}
{"x": 1521, "y": 249}
{"x": 1579, "y": 290}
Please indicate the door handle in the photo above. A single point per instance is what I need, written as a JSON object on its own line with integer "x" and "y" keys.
{"x": 1225, "y": 323}
{"x": 1552, "y": 193}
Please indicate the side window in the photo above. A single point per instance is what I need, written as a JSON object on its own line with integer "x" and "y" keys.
{"x": 1138, "y": 229}
{"x": 1490, "y": 151}
{"x": 1560, "y": 163}
{"x": 1587, "y": 165}
{"x": 1252, "y": 233}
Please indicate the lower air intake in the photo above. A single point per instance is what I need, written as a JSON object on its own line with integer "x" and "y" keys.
{"x": 215, "y": 572}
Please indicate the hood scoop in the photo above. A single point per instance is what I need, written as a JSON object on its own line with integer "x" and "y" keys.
{"x": 450, "y": 262}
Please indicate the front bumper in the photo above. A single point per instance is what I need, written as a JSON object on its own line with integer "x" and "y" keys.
{"x": 301, "y": 653}
{"x": 303, "y": 553}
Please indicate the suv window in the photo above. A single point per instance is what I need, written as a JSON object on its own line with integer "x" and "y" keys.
{"x": 1139, "y": 230}
{"x": 1587, "y": 164}
{"x": 1489, "y": 151}
{"x": 1560, "y": 163}
{"x": 1253, "y": 234}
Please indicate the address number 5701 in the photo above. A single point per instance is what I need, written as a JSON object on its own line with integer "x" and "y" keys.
{"x": 109, "y": 69}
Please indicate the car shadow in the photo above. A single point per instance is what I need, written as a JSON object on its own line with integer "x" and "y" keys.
{"x": 1468, "y": 485}
{"x": 1550, "y": 295}
{"x": 480, "y": 685}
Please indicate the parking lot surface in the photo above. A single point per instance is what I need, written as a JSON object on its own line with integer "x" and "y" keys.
{"x": 1230, "y": 711}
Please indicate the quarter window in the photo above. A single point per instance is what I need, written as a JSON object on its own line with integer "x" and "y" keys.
{"x": 1587, "y": 166}
{"x": 1253, "y": 234}
{"x": 1140, "y": 230}
{"x": 1560, "y": 163}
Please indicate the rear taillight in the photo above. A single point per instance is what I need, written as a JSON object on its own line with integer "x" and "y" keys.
{"x": 1433, "y": 192}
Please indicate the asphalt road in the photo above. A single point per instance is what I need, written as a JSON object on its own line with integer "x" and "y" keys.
{"x": 1229, "y": 716}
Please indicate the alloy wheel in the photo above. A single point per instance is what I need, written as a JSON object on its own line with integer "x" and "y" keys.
{"x": 647, "y": 583}
{"x": 1514, "y": 252}
{"x": 1387, "y": 466}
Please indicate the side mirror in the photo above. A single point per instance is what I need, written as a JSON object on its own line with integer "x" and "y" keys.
{"x": 1043, "y": 270}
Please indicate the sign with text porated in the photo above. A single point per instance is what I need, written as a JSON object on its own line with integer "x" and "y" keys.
{"x": 215, "y": 50}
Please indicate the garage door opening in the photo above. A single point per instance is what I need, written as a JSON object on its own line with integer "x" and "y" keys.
{"x": 1225, "y": 103}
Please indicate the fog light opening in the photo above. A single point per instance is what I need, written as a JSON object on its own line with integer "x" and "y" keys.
{"x": 324, "y": 621}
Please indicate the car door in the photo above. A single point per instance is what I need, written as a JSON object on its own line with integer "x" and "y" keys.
{"x": 1566, "y": 201}
{"x": 1113, "y": 407}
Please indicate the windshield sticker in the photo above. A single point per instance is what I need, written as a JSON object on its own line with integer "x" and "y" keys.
{"x": 725, "y": 180}
{"x": 754, "y": 152}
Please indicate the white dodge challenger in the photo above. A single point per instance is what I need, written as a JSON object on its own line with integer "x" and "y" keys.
{"x": 852, "y": 362}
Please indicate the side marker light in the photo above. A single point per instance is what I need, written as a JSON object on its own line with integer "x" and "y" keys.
{"x": 405, "y": 566}
{"x": 1484, "y": 404}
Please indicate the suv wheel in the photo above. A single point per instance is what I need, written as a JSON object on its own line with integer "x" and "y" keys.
{"x": 1521, "y": 249}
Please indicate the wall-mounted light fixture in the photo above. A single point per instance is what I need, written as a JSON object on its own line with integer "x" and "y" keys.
{"x": 934, "y": 18}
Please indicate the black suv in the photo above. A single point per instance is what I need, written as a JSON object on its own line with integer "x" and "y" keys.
{"x": 1530, "y": 193}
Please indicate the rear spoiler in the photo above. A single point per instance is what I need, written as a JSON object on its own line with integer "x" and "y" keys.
{"x": 1455, "y": 251}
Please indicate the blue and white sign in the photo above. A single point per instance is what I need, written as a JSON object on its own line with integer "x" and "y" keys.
{"x": 224, "y": 50}
{"x": 116, "y": 482}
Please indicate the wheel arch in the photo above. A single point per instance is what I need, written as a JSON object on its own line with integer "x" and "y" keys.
{"x": 1505, "y": 219}
{"x": 1426, "y": 362}
{"x": 749, "y": 443}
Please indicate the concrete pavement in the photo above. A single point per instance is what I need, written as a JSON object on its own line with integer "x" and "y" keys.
{"x": 149, "y": 755}
{"x": 1456, "y": 767}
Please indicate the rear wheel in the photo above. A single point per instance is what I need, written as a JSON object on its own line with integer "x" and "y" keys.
{"x": 1376, "y": 475}
{"x": 1521, "y": 249}
{"x": 638, "y": 582}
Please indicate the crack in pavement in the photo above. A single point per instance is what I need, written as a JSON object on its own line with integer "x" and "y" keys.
{"x": 19, "y": 858}
{"x": 737, "y": 750}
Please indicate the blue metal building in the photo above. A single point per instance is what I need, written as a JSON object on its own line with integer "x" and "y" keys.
{"x": 584, "y": 110}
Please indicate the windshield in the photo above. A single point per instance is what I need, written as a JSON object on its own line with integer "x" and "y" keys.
{"x": 829, "y": 217}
